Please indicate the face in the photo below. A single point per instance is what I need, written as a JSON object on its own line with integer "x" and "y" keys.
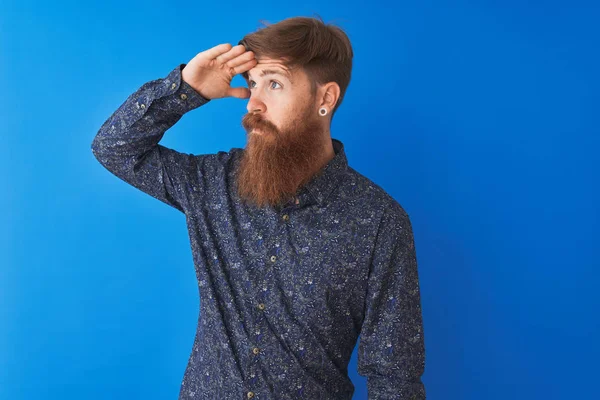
{"x": 286, "y": 135}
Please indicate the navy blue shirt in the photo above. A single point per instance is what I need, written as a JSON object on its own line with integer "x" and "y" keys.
{"x": 286, "y": 291}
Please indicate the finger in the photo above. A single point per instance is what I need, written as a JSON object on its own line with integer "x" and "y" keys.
{"x": 234, "y": 52}
{"x": 239, "y": 92}
{"x": 247, "y": 56}
{"x": 245, "y": 66}
{"x": 217, "y": 50}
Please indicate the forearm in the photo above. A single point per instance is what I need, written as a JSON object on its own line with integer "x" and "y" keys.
{"x": 138, "y": 125}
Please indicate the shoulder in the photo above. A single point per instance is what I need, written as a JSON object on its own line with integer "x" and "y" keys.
{"x": 392, "y": 221}
{"x": 373, "y": 195}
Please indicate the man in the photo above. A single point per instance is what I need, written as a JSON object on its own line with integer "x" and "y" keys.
{"x": 296, "y": 253}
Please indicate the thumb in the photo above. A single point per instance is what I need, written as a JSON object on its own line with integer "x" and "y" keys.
{"x": 239, "y": 92}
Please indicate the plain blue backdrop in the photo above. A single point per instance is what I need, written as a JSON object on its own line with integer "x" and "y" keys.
{"x": 480, "y": 118}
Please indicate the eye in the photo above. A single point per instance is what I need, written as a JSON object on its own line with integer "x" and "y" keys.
{"x": 271, "y": 82}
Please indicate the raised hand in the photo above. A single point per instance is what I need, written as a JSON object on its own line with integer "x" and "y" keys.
{"x": 211, "y": 71}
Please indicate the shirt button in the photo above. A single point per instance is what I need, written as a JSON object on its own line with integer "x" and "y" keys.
{"x": 261, "y": 306}
{"x": 250, "y": 395}
{"x": 273, "y": 258}
{"x": 173, "y": 85}
{"x": 142, "y": 105}
{"x": 286, "y": 217}
{"x": 256, "y": 350}
{"x": 183, "y": 96}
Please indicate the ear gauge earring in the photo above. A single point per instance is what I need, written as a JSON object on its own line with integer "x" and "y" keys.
{"x": 322, "y": 111}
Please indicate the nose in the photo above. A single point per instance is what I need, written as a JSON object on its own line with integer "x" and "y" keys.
{"x": 255, "y": 105}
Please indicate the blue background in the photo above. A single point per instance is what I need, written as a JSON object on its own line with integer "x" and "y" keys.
{"x": 480, "y": 118}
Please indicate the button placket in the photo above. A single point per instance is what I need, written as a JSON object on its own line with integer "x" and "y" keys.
{"x": 258, "y": 345}
{"x": 291, "y": 206}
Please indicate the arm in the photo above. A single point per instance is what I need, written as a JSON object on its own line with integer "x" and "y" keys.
{"x": 391, "y": 352}
{"x": 127, "y": 143}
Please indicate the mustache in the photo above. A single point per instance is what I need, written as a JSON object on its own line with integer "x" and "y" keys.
{"x": 255, "y": 121}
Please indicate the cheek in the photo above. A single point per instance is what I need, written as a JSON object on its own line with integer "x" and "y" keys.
{"x": 281, "y": 117}
{"x": 285, "y": 112}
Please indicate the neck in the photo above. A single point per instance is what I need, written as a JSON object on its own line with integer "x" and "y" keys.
{"x": 327, "y": 153}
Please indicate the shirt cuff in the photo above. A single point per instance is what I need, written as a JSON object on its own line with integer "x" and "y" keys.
{"x": 182, "y": 97}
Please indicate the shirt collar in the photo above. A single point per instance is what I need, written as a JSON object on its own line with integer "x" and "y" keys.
{"x": 330, "y": 176}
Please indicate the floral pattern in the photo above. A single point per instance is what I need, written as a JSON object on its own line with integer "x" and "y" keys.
{"x": 286, "y": 292}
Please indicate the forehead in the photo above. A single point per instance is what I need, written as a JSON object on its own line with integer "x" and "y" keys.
{"x": 269, "y": 66}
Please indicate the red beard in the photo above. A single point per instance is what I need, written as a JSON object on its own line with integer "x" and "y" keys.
{"x": 277, "y": 163}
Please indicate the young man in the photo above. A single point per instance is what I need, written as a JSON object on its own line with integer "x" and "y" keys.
{"x": 296, "y": 253}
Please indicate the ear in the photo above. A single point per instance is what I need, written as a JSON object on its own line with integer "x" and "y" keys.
{"x": 330, "y": 95}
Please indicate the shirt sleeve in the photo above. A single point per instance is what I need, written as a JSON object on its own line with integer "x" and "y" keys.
{"x": 127, "y": 142}
{"x": 391, "y": 352}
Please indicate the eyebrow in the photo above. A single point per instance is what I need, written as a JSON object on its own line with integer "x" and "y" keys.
{"x": 272, "y": 72}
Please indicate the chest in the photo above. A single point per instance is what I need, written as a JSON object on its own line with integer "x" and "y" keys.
{"x": 306, "y": 257}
